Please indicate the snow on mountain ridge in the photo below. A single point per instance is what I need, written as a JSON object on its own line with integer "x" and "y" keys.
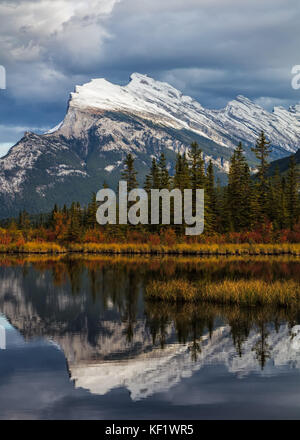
{"x": 240, "y": 119}
{"x": 295, "y": 109}
{"x": 143, "y": 96}
{"x": 105, "y": 121}
{"x": 160, "y": 370}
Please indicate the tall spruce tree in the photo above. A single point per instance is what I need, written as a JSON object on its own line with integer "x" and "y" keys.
{"x": 181, "y": 181}
{"x": 238, "y": 191}
{"x": 129, "y": 174}
{"x": 277, "y": 201}
{"x": 163, "y": 173}
{"x": 197, "y": 171}
{"x": 182, "y": 173}
{"x": 262, "y": 150}
{"x": 197, "y": 167}
{"x": 91, "y": 212}
{"x": 210, "y": 206}
{"x": 292, "y": 193}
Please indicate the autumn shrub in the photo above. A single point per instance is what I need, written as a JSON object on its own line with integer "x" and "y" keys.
{"x": 169, "y": 237}
{"x": 154, "y": 240}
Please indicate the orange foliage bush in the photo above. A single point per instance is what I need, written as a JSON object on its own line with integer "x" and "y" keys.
{"x": 169, "y": 237}
{"x": 154, "y": 239}
{"x": 93, "y": 236}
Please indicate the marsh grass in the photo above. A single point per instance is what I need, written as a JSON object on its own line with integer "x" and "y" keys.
{"x": 245, "y": 249}
{"x": 241, "y": 292}
{"x": 187, "y": 249}
{"x": 34, "y": 247}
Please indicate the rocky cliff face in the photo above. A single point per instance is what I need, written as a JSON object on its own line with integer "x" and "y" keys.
{"x": 105, "y": 121}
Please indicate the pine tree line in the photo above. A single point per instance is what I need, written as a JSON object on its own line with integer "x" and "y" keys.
{"x": 247, "y": 203}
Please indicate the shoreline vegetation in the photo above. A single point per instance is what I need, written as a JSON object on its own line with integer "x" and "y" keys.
{"x": 252, "y": 218}
{"x": 218, "y": 249}
{"x": 281, "y": 293}
{"x": 251, "y": 215}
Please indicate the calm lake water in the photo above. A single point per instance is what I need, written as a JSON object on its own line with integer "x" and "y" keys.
{"x": 78, "y": 341}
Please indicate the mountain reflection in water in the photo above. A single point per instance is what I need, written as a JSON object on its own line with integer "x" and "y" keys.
{"x": 92, "y": 310}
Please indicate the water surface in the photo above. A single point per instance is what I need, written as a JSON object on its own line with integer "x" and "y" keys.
{"x": 78, "y": 340}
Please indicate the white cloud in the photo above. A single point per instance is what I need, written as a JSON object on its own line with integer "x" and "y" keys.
{"x": 42, "y": 37}
{"x": 269, "y": 103}
{"x": 209, "y": 49}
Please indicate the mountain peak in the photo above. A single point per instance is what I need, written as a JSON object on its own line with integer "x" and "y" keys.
{"x": 106, "y": 121}
{"x": 135, "y": 76}
{"x": 144, "y": 81}
{"x": 166, "y": 106}
{"x": 241, "y": 99}
{"x": 142, "y": 96}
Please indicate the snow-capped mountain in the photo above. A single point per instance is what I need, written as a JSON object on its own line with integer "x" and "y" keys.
{"x": 105, "y": 121}
{"x": 160, "y": 370}
{"x": 144, "y": 369}
{"x": 161, "y": 103}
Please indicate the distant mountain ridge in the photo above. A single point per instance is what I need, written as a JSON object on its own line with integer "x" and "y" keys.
{"x": 105, "y": 121}
{"x": 283, "y": 164}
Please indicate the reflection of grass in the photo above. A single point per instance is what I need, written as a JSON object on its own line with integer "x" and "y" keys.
{"x": 229, "y": 314}
{"x": 148, "y": 248}
{"x": 242, "y": 292}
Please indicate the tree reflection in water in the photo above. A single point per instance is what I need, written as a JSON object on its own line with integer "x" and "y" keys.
{"x": 96, "y": 303}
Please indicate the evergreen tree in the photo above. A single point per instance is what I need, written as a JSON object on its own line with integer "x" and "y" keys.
{"x": 24, "y": 220}
{"x": 91, "y": 212}
{"x": 255, "y": 212}
{"x": 129, "y": 174}
{"x": 181, "y": 181}
{"x": 65, "y": 210}
{"x": 74, "y": 230}
{"x": 210, "y": 200}
{"x": 277, "y": 201}
{"x": 197, "y": 168}
{"x": 222, "y": 220}
{"x": 262, "y": 151}
{"x": 148, "y": 184}
{"x": 292, "y": 193}
{"x": 52, "y": 216}
{"x": 163, "y": 173}
{"x": 182, "y": 173}
{"x": 154, "y": 177}
{"x": 196, "y": 171}
{"x": 238, "y": 191}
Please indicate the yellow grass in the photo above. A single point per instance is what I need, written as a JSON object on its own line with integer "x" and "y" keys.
{"x": 148, "y": 248}
{"x": 34, "y": 247}
{"x": 242, "y": 292}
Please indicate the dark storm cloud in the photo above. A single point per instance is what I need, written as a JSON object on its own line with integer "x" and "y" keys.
{"x": 210, "y": 49}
